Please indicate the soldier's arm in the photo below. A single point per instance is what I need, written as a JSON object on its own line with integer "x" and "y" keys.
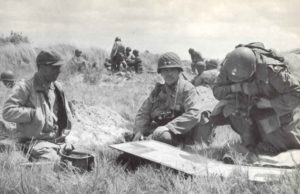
{"x": 14, "y": 109}
{"x": 143, "y": 118}
{"x": 222, "y": 87}
{"x": 185, "y": 122}
{"x": 199, "y": 56}
{"x": 288, "y": 87}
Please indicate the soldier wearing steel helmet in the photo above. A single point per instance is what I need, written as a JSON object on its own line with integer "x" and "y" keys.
{"x": 128, "y": 58}
{"x": 172, "y": 112}
{"x": 117, "y": 54}
{"x": 260, "y": 98}
{"x": 8, "y": 79}
{"x": 198, "y": 63}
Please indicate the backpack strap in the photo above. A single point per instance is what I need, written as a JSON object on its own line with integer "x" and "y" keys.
{"x": 260, "y": 48}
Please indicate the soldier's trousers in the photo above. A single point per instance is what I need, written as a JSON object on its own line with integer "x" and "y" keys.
{"x": 199, "y": 134}
{"x": 257, "y": 140}
{"x": 41, "y": 150}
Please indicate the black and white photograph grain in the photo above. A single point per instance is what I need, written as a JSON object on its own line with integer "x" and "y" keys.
{"x": 149, "y": 97}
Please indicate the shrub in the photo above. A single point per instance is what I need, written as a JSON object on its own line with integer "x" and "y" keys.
{"x": 14, "y": 38}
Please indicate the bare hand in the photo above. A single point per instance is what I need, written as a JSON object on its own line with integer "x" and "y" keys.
{"x": 263, "y": 103}
{"x": 68, "y": 148}
{"x": 137, "y": 137}
{"x": 249, "y": 88}
{"x": 236, "y": 87}
{"x": 159, "y": 131}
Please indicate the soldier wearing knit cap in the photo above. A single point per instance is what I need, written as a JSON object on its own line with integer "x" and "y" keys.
{"x": 172, "y": 112}
{"x": 40, "y": 110}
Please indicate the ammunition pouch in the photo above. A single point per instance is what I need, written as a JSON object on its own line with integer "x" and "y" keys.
{"x": 268, "y": 121}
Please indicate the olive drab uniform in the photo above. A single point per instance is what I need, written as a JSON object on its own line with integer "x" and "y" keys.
{"x": 176, "y": 107}
{"x": 270, "y": 130}
{"x": 117, "y": 55}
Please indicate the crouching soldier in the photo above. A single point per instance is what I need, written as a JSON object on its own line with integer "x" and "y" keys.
{"x": 39, "y": 108}
{"x": 172, "y": 112}
{"x": 137, "y": 62}
{"x": 260, "y": 98}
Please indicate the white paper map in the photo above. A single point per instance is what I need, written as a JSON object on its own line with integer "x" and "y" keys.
{"x": 193, "y": 164}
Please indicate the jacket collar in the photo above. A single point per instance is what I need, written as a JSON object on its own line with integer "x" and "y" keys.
{"x": 173, "y": 87}
{"x": 40, "y": 85}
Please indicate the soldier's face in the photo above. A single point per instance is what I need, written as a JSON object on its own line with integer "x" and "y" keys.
{"x": 170, "y": 75}
{"x": 49, "y": 72}
{"x": 8, "y": 84}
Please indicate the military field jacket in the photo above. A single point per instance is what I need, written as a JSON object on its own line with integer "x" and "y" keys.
{"x": 271, "y": 81}
{"x": 162, "y": 99}
{"x": 28, "y": 107}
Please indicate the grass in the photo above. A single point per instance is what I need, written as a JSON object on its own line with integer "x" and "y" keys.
{"x": 124, "y": 96}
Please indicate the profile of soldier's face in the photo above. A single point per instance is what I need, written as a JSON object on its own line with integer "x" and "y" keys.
{"x": 8, "y": 84}
{"x": 170, "y": 75}
{"x": 49, "y": 72}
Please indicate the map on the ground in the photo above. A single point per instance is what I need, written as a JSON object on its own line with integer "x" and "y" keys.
{"x": 198, "y": 165}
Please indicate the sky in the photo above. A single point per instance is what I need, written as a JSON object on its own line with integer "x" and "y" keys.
{"x": 212, "y": 27}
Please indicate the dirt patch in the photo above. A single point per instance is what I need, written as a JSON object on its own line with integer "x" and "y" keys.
{"x": 95, "y": 125}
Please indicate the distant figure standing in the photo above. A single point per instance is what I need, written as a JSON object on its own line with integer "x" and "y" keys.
{"x": 80, "y": 63}
{"x": 117, "y": 54}
{"x": 197, "y": 61}
{"x": 8, "y": 79}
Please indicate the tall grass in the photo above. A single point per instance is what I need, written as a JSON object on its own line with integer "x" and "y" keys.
{"x": 124, "y": 95}
{"x": 110, "y": 177}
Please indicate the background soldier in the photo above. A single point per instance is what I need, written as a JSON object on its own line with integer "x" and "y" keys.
{"x": 39, "y": 108}
{"x": 137, "y": 62}
{"x": 117, "y": 54}
{"x": 171, "y": 113}
{"x": 80, "y": 63}
{"x": 197, "y": 61}
{"x": 129, "y": 58}
{"x": 260, "y": 98}
{"x": 8, "y": 79}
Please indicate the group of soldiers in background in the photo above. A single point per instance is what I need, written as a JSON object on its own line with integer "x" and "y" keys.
{"x": 121, "y": 59}
{"x": 199, "y": 64}
{"x": 80, "y": 63}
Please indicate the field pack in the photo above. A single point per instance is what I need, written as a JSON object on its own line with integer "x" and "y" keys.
{"x": 278, "y": 62}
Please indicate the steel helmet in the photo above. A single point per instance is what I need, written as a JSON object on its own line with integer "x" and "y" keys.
{"x": 128, "y": 49}
{"x": 135, "y": 52}
{"x": 7, "y": 76}
{"x": 169, "y": 60}
{"x": 240, "y": 64}
{"x": 191, "y": 50}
